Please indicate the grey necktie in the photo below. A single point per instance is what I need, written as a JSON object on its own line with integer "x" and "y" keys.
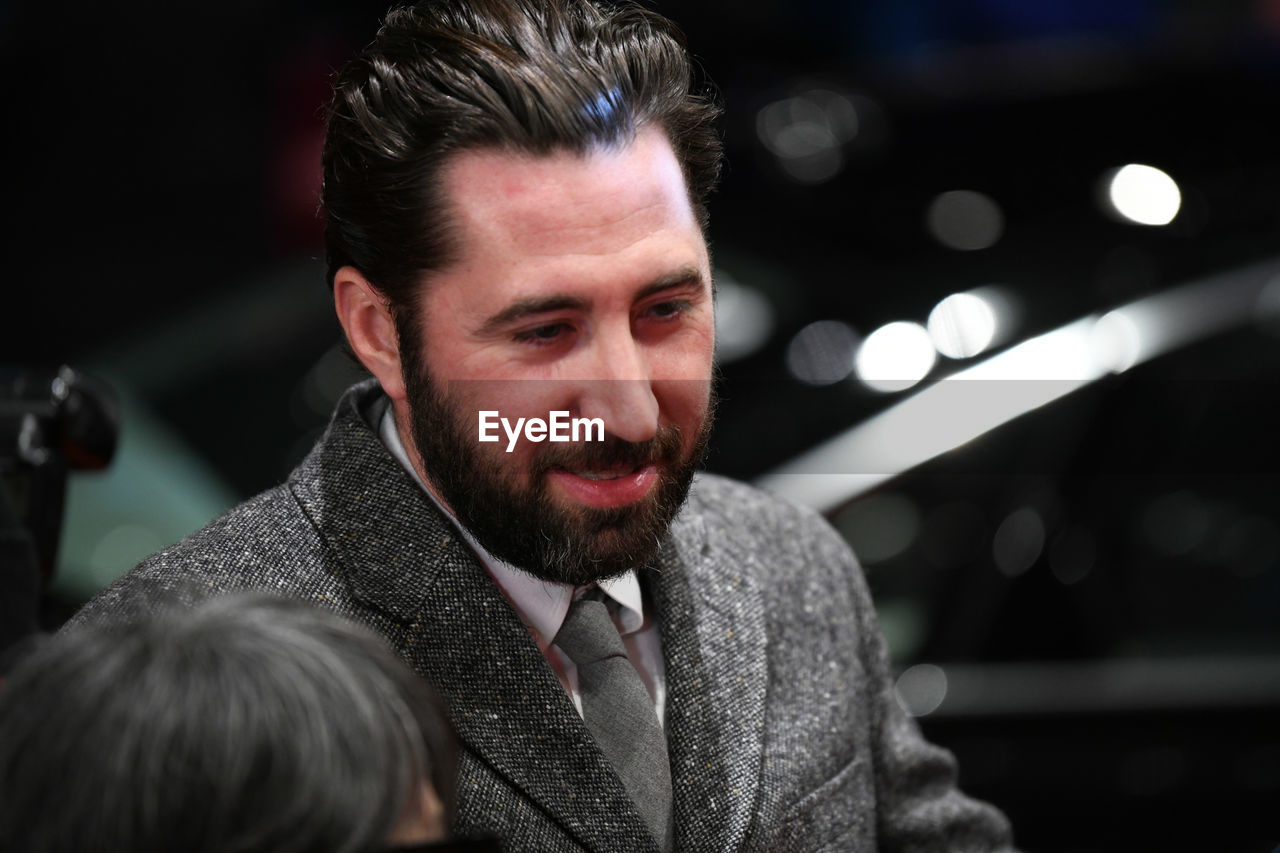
{"x": 619, "y": 712}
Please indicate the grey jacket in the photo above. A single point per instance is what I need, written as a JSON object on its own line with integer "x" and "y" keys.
{"x": 783, "y": 732}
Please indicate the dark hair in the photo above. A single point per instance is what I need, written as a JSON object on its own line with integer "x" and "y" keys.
{"x": 526, "y": 76}
{"x": 251, "y": 723}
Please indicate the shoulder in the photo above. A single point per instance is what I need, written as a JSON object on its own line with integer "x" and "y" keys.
{"x": 801, "y": 572}
{"x": 726, "y": 500}
{"x": 326, "y": 534}
{"x": 744, "y": 522}
{"x": 726, "y": 506}
{"x": 259, "y": 531}
{"x": 267, "y": 542}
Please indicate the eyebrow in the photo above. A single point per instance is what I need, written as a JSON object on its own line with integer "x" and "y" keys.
{"x": 534, "y": 305}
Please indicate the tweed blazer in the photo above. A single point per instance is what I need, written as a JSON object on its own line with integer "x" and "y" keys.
{"x": 783, "y": 733}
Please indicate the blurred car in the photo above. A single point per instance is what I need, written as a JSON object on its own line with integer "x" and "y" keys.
{"x": 1079, "y": 574}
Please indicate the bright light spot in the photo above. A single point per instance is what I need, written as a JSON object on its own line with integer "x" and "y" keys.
{"x": 1026, "y": 376}
{"x": 879, "y": 526}
{"x": 807, "y": 133}
{"x": 962, "y": 325}
{"x": 744, "y": 319}
{"x": 822, "y": 353}
{"x": 1063, "y": 354}
{"x": 920, "y": 689}
{"x": 1144, "y": 194}
{"x": 1018, "y": 542}
{"x": 895, "y": 356}
{"x": 965, "y": 220}
{"x": 1116, "y": 341}
{"x": 941, "y": 417}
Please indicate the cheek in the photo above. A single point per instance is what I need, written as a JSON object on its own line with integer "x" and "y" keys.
{"x": 703, "y": 334}
{"x": 683, "y": 374}
{"x": 686, "y": 355}
{"x": 684, "y": 402}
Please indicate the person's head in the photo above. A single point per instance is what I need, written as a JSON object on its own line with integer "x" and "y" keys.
{"x": 515, "y": 193}
{"x": 250, "y": 723}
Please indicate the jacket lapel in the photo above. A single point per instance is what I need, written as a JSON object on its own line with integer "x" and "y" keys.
{"x": 403, "y": 559}
{"x": 511, "y": 711}
{"x": 713, "y": 642}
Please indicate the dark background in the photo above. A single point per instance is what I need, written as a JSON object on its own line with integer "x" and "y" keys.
{"x": 159, "y": 224}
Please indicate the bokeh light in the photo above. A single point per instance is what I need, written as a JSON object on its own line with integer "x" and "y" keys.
{"x": 963, "y": 325}
{"x": 1018, "y": 541}
{"x": 1143, "y": 194}
{"x": 895, "y": 357}
{"x": 921, "y": 689}
{"x": 807, "y": 132}
{"x": 744, "y": 319}
{"x": 879, "y": 526}
{"x": 822, "y": 353}
{"x": 1073, "y": 555}
{"x": 965, "y": 220}
{"x": 1116, "y": 341}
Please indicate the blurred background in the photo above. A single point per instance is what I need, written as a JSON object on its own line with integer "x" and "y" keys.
{"x": 999, "y": 289}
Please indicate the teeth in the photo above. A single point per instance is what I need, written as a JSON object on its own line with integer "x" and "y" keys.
{"x": 599, "y": 475}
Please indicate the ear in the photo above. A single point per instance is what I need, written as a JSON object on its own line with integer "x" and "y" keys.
{"x": 422, "y": 820}
{"x": 366, "y": 318}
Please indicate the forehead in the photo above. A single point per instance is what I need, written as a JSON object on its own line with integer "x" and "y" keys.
{"x": 565, "y": 204}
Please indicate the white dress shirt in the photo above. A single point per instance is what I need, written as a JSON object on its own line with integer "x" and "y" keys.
{"x": 542, "y": 605}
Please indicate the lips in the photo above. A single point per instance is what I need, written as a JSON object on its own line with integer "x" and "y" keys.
{"x": 607, "y": 474}
{"x": 605, "y": 489}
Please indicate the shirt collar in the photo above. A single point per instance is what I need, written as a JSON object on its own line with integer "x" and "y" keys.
{"x": 541, "y": 604}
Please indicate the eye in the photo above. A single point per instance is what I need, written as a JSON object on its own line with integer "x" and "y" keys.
{"x": 543, "y": 335}
{"x": 669, "y": 309}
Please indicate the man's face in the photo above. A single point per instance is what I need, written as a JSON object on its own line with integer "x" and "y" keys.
{"x": 582, "y": 286}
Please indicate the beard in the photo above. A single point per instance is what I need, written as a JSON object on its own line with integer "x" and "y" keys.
{"x": 521, "y": 522}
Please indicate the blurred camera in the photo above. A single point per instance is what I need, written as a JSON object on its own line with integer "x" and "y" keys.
{"x": 52, "y": 421}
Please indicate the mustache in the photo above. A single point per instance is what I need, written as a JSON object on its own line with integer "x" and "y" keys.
{"x": 662, "y": 449}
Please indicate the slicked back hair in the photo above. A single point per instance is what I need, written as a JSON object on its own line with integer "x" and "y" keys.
{"x": 249, "y": 724}
{"x": 524, "y": 76}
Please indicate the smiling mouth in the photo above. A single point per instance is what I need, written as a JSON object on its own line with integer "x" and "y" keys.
{"x": 606, "y": 487}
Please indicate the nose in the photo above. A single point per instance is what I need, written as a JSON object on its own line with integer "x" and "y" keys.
{"x": 623, "y": 395}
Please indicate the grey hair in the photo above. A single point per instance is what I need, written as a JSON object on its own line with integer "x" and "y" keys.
{"x": 249, "y": 723}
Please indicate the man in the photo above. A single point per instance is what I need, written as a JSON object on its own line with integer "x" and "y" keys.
{"x": 515, "y": 197}
{"x": 251, "y": 723}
